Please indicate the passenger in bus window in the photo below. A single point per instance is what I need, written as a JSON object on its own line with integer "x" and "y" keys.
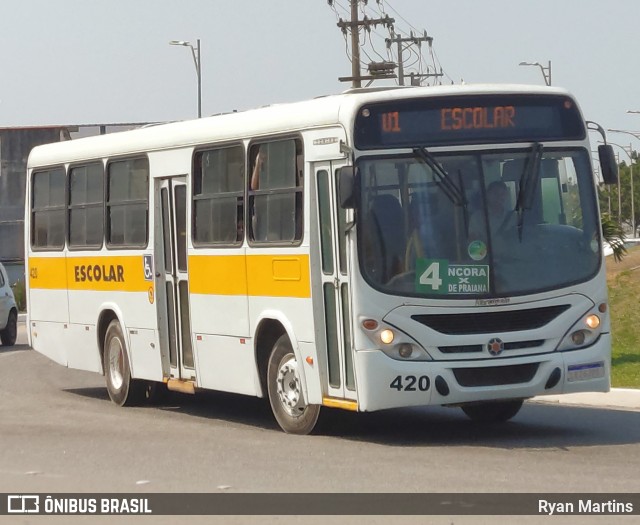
{"x": 276, "y": 216}
{"x": 257, "y": 168}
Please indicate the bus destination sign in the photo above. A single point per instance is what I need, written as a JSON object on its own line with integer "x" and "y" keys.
{"x": 470, "y": 120}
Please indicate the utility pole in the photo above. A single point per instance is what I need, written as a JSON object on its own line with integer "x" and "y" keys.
{"x": 355, "y": 45}
{"x": 353, "y": 26}
{"x": 399, "y": 40}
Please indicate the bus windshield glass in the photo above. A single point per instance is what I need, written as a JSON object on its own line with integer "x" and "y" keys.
{"x": 479, "y": 119}
{"x": 478, "y": 224}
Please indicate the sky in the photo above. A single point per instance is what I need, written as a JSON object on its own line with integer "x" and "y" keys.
{"x": 109, "y": 61}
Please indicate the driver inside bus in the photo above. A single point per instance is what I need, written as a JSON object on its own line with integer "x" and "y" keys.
{"x": 423, "y": 238}
{"x": 499, "y": 212}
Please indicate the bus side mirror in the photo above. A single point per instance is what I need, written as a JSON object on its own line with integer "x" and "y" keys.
{"x": 347, "y": 187}
{"x": 608, "y": 164}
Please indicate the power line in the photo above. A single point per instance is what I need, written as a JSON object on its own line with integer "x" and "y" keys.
{"x": 399, "y": 40}
{"x": 360, "y": 27}
{"x": 399, "y": 15}
{"x": 353, "y": 26}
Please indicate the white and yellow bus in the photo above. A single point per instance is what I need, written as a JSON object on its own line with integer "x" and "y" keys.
{"x": 371, "y": 250}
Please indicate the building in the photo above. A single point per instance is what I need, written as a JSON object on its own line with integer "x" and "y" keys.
{"x": 15, "y": 145}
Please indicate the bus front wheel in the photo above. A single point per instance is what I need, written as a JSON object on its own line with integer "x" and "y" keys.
{"x": 123, "y": 390}
{"x": 493, "y": 411}
{"x": 289, "y": 407}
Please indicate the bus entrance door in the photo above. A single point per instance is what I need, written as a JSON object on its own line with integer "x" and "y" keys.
{"x": 335, "y": 287}
{"x": 173, "y": 312}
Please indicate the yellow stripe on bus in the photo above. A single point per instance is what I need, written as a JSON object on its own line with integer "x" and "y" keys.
{"x": 218, "y": 274}
{"x": 255, "y": 275}
{"x": 278, "y": 275}
{"x": 103, "y": 273}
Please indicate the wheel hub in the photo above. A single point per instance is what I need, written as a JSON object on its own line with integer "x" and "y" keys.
{"x": 116, "y": 364}
{"x": 289, "y": 390}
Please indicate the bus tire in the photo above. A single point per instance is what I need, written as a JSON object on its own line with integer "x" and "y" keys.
{"x": 493, "y": 411}
{"x": 123, "y": 390}
{"x": 286, "y": 397}
{"x": 9, "y": 335}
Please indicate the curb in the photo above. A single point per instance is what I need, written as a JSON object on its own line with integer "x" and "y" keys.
{"x": 616, "y": 398}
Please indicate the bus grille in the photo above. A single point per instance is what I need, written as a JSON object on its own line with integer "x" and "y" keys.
{"x": 495, "y": 375}
{"x": 468, "y": 349}
{"x": 491, "y": 322}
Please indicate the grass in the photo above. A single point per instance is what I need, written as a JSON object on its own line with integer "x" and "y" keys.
{"x": 623, "y": 279}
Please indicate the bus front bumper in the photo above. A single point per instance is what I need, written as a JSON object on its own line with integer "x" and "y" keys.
{"x": 383, "y": 382}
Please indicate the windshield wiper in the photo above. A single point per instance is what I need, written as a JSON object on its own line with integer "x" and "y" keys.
{"x": 464, "y": 203}
{"x": 528, "y": 184}
{"x": 451, "y": 190}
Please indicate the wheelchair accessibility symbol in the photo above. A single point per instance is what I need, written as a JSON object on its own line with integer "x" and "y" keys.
{"x": 148, "y": 267}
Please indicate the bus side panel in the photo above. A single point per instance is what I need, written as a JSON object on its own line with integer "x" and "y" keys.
{"x": 219, "y": 321}
{"x": 111, "y": 282}
{"x": 218, "y": 293}
{"x": 48, "y": 305}
{"x": 49, "y": 339}
{"x": 226, "y": 363}
{"x": 82, "y": 350}
{"x": 144, "y": 350}
{"x": 311, "y": 372}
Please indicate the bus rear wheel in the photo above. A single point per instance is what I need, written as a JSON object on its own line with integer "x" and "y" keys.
{"x": 286, "y": 397}
{"x": 123, "y": 390}
{"x": 493, "y": 411}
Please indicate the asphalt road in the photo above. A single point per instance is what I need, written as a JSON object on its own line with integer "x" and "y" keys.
{"x": 60, "y": 433}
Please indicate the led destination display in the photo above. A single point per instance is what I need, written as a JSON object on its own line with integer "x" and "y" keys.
{"x": 468, "y": 120}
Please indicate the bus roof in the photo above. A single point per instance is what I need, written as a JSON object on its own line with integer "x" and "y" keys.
{"x": 325, "y": 111}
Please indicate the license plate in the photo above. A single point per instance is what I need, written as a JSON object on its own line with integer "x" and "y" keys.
{"x": 585, "y": 372}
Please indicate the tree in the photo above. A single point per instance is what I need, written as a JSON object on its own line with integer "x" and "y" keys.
{"x": 613, "y": 233}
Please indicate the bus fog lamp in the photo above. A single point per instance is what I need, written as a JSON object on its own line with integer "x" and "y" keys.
{"x": 578, "y": 337}
{"x": 405, "y": 350}
{"x": 592, "y": 321}
{"x": 386, "y": 336}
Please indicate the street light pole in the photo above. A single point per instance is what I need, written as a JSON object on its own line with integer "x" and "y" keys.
{"x": 546, "y": 71}
{"x": 195, "y": 52}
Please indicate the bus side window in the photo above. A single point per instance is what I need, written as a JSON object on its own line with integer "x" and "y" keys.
{"x": 275, "y": 192}
{"x": 218, "y": 196}
{"x": 86, "y": 203}
{"x": 128, "y": 202}
{"x": 48, "y": 209}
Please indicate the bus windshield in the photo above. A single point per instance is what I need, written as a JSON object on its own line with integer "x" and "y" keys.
{"x": 478, "y": 224}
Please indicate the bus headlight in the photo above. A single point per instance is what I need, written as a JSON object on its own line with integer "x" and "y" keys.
{"x": 393, "y": 342}
{"x": 386, "y": 336}
{"x": 592, "y": 321}
{"x": 582, "y": 334}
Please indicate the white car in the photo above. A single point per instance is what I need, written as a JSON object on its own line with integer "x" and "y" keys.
{"x": 8, "y": 311}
